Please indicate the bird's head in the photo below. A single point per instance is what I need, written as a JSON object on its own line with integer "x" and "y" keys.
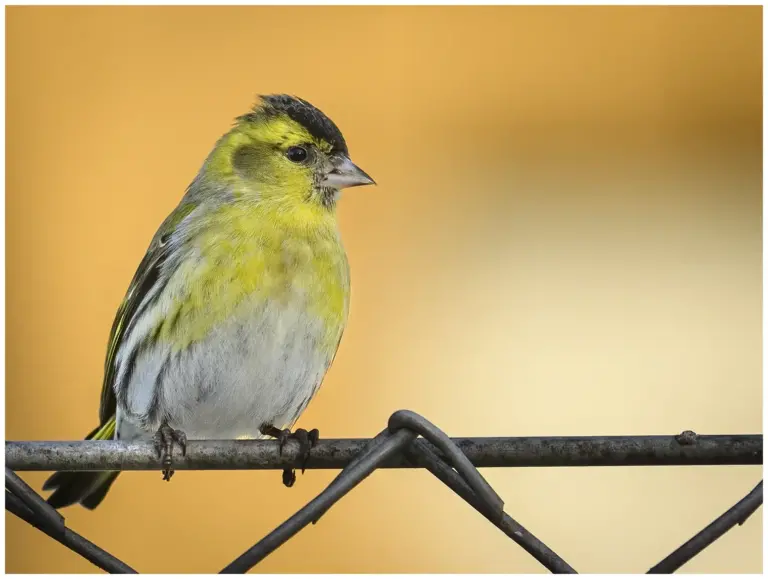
{"x": 285, "y": 149}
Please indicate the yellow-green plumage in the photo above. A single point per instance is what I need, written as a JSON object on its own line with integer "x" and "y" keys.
{"x": 238, "y": 307}
{"x": 263, "y": 250}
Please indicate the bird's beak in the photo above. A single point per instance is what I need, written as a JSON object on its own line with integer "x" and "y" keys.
{"x": 346, "y": 174}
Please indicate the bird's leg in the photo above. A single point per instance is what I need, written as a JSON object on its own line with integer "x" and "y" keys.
{"x": 281, "y": 435}
{"x": 163, "y": 440}
{"x": 306, "y": 440}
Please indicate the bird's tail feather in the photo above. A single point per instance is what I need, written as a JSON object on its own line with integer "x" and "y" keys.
{"x": 86, "y": 488}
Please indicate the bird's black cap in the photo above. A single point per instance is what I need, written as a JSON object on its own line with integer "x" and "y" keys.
{"x": 304, "y": 113}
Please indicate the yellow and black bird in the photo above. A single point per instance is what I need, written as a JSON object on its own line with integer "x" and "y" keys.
{"x": 238, "y": 307}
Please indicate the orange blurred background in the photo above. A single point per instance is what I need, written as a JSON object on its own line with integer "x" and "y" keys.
{"x": 565, "y": 240}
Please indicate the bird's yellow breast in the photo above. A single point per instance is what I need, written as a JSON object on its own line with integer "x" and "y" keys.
{"x": 284, "y": 256}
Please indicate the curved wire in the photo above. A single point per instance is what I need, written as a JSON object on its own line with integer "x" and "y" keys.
{"x": 417, "y": 423}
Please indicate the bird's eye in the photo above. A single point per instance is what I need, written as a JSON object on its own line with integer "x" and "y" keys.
{"x": 297, "y": 154}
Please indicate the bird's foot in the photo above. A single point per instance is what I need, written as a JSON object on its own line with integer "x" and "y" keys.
{"x": 163, "y": 440}
{"x": 306, "y": 440}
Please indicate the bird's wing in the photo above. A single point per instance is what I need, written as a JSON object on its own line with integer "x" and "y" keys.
{"x": 147, "y": 284}
{"x": 144, "y": 280}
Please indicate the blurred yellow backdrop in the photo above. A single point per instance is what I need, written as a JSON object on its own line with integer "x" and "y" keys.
{"x": 565, "y": 240}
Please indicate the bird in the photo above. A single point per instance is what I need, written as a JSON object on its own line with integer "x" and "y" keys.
{"x": 237, "y": 309}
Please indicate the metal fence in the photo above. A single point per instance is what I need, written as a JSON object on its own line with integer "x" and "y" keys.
{"x": 409, "y": 441}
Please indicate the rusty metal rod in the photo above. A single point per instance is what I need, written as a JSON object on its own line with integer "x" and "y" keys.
{"x": 89, "y": 455}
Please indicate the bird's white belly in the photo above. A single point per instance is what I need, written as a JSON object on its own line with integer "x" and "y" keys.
{"x": 260, "y": 368}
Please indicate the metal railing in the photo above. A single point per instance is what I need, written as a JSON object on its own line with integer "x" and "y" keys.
{"x": 409, "y": 441}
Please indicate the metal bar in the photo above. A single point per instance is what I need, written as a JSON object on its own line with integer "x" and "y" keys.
{"x": 68, "y": 538}
{"x": 419, "y": 450}
{"x": 322, "y": 502}
{"x": 736, "y": 515}
{"x": 337, "y": 453}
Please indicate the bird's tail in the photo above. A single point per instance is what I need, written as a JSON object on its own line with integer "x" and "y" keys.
{"x": 86, "y": 488}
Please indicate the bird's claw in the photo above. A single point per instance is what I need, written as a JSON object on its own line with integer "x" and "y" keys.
{"x": 282, "y": 438}
{"x": 289, "y": 477}
{"x": 306, "y": 439}
{"x": 163, "y": 440}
